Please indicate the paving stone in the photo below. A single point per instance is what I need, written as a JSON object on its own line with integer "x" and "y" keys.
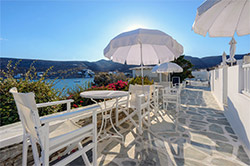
{"x": 185, "y": 135}
{"x": 221, "y": 122}
{"x": 162, "y": 127}
{"x": 199, "y": 121}
{"x": 200, "y": 145}
{"x": 217, "y": 115}
{"x": 213, "y": 136}
{"x": 222, "y": 162}
{"x": 216, "y": 128}
{"x": 193, "y": 163}
{"x": 181, "y": 129}
{"x": 202, "y": 139}
{"x": 197, "y": 117}
{"x": 192, "y": 109}
{"x": 229, "y": 130}
{"x": 225, "y": 119}
{"x": 193, "y": 154}
{"x": 169, "y": 135}
{"x": 195, "y": 127}
{"x": 113, "y": 131}
{"x": 112, "y": 164}
{"x": 125, "y": 125}
{"x": 242, "y": 155}
{"x": 233, "y": 136}
{"x": 202, "y": 112}
{"x": 192, "y": 113}
{"x": 128, "y": 163}
{"x": 197, "y": 124}
{"x": 180, "y": 141}
{"x": 182, "y": 120}
{"x": 179, "y": 161}
{"x": 224, "y": 147}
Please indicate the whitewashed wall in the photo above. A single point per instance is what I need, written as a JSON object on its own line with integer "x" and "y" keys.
{"x": 217, "y": 83}
{"x": 238, "y": 104}
{"x": 237, "y": 109}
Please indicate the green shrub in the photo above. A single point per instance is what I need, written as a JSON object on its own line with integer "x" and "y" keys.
{"x": 44, "y": 92}
{"x": 138, "y": 80}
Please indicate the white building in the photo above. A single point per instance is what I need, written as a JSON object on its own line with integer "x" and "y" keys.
{"x": 147, "y": 71}
{"x": 201, "y": 75}
{"x": 231, "y": 87}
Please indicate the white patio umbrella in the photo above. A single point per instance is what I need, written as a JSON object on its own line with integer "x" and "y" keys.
{"x": 143, "y": 47}
{"x": 167, "y": 67}
{"x": 222, "y": 18}
{"x": 232, "y": 44}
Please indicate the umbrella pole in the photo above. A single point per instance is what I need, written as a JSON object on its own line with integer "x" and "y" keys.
{"x": 142, "y": 79}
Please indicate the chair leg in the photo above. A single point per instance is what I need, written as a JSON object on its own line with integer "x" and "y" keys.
{"x": 84, "y": 156}
{"x": 25, "y": 150}
{"x": 140, "y": 121}
{"x": 35, "y": 152}
{"x": 94, "y": 150}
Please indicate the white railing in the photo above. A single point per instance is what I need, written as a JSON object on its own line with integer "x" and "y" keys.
{"x": 246, "y": 69}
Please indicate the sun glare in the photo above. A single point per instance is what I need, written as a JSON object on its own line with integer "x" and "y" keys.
{"x": 133, "y": 27}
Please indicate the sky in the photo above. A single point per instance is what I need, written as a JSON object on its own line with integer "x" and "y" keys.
{"x": 80, "y": 29}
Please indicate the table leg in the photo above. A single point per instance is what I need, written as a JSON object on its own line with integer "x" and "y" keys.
{"x": 105, "y": 117}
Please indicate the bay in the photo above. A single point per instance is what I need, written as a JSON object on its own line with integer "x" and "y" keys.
{"x": 72, "y": 83}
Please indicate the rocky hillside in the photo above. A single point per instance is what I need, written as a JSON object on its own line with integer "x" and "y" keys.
{"x": 101, "y": 65}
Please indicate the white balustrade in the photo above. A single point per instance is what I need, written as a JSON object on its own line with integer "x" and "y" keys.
{"x": 246, "y": 69}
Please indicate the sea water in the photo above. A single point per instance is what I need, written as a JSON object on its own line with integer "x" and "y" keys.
{"x": 72, "y": 83}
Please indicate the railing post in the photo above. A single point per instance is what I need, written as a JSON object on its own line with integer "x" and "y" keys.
{"x": 68, "y": 106}
{"x": 248, "y": 79}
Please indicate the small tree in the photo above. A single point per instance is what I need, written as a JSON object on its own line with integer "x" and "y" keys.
{"x": 187, "y": 68}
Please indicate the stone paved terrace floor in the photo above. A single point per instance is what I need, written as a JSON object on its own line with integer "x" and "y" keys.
{"x": 200, "y": 136}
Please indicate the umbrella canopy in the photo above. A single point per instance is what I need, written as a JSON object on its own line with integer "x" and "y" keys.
{"x": 232, "y": 44}
{"x": 167, "y": 67}
{"x": 222, "y": 18}
{"x": 143, "y": 47}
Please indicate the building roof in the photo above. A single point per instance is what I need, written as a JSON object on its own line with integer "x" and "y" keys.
{"x": 139, "y": 68}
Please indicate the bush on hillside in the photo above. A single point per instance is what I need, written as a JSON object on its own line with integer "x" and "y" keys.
{"x": 44, "y": 92}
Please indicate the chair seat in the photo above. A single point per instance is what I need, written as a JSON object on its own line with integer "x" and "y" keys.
{"x": 63, "y": 128}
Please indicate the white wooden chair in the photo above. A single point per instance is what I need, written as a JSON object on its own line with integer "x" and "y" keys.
{"x": 138, "y": 101}
{"x": 53, "y": 138}
{"x": 171, "y": 95}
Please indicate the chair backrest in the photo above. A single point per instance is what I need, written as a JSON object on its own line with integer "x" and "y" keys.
{"x": 135, "y": 90}
{"x": 27, "y": 110}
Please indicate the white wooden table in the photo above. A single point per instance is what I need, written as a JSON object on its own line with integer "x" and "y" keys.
{"x": 106, "y": 114}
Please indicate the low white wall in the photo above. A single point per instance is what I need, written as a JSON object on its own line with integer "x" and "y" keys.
{"x": 218, "y": 85}
{"x": 237, "y": 109}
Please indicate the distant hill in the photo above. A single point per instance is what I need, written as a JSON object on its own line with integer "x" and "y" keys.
{"x": 209, "y": 61}
{"x": 101, "y": 65}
